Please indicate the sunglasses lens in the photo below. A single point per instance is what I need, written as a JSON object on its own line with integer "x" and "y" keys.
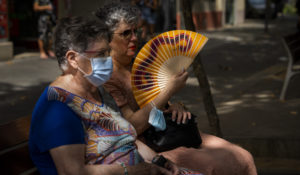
{"x": 126, "y": 33}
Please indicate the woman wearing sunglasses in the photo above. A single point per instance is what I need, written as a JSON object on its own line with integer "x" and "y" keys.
{"x": 215, "y": 155}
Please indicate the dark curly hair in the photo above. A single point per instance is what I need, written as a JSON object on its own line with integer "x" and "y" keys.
{"x": 76, "y": 33}
{"x": 113, "y": 13}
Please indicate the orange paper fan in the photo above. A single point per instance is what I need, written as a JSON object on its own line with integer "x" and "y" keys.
{"x": 162, "y": 57}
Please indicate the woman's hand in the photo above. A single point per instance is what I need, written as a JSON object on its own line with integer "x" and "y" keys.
{"x": 172, "y": 167}
{"x": 49, "y": 7}
{"x": 148, "y": 169}
{"x": 155, "y": 170}
{"x": 179, "y": 110}
{"x": 177, "y": 82}
{"x": 161, "y": 161}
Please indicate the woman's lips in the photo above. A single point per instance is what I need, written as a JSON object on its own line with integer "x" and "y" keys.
{"x": 132, "y": 47}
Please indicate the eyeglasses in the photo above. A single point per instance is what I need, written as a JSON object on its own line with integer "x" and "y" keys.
{"x": 100, "y": 53}
{"x": 127, "y": 34}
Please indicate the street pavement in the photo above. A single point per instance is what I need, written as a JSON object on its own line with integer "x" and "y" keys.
{"x": 21, "y": 83}
{"x": 245, "y": 68}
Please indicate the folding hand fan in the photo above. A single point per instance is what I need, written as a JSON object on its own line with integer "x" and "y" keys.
{"x": 160, "y": 58}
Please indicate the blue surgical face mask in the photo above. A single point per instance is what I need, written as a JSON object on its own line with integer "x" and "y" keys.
{"x": 102, "y": 68}
{"x": 157, "y": 119}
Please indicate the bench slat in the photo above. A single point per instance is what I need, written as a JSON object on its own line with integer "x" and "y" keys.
{"x": 14, "y": 132}
{"x": 17, "y": 161}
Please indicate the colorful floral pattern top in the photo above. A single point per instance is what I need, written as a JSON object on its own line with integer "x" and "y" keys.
{"x": 109, "y": 137}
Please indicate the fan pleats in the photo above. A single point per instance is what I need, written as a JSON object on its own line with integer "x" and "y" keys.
{"x": 160, "y": 58}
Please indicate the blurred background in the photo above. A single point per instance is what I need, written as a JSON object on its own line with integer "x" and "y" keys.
{"x": 18, "y": 21}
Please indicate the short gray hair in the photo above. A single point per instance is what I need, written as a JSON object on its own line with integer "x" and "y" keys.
{"x": 114, "y": 13}
{"x": 75, "y": 33}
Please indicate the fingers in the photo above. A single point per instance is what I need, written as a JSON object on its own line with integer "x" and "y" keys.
{"x": 159, "y": 170}
{"x": 182, "y": 79}
{"x": 176, "y": 82}
{"x": 172, "y": 167}
{"x": 189, "y": 115}
{"x": 184, "y": 117}
{"x": 183, "y": 75}
{"x": 50, "y": 7}
{"x": 175, "y": 170}
{"x": 165, "y": 171}
{"x": 179, "y": 112}
{"x": 179, "y": 117}
{"x": 174, "y": 113}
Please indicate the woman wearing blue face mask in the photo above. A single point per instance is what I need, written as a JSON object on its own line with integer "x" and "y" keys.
{"x": 76, "y": 127}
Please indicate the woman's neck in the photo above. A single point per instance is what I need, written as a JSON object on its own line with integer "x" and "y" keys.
{"x": 121, "y": 65}
{"x": 79, "y": 86}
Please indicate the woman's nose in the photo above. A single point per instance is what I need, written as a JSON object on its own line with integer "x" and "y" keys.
{"x": 134, "y": 36}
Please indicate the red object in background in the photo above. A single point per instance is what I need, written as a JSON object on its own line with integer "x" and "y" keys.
{"x": 3, "y": 19}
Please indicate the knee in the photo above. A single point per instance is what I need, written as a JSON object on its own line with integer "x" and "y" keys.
{"x": 246, "y": 161}
{"x": 246, "y": 155}
{"x": 239, "y": 160}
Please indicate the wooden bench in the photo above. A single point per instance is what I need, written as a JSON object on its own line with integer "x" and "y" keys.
{"x": 292, "y": 46}
{"x": 14, "y": 152}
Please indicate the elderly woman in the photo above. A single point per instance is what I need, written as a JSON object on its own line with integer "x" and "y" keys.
{"x": 215, "y": 155}
{"x": 76, "y": 127}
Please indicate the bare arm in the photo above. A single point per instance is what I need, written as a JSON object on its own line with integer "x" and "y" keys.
{"x": 139, "y": 119}
{"x": 148, "y": 154}
{"x": 37, "y": 7}
{"x": 69, "y": 159}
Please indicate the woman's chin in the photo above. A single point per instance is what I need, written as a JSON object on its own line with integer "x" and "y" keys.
{"x": 131, "y": 53}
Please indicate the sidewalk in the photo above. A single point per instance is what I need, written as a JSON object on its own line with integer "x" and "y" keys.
{"x": 245, "y": 67}
{"x": 22, "y": 81}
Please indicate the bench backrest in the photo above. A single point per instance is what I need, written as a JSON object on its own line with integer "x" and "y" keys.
{"x": 292, "y": 42}
{"x": 14, "y": 153}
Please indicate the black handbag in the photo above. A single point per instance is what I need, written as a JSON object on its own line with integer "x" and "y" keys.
{"x": 174, "y": 135}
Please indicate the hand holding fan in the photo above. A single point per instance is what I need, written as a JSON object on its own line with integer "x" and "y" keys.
{"x": 160, "y": 58}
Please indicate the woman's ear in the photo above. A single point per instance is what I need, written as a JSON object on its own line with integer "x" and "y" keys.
{"x": 71, "y": 58}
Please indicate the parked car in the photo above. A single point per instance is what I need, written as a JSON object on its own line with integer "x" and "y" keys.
{"x": 257, "y": 9}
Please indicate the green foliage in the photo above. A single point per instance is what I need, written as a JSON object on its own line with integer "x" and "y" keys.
{"x": 289, "y": 9}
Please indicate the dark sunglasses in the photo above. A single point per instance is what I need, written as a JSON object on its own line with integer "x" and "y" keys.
{"x": 128, "y": 33}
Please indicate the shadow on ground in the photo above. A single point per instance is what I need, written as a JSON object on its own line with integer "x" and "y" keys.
{"x": 18, "y": 103}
